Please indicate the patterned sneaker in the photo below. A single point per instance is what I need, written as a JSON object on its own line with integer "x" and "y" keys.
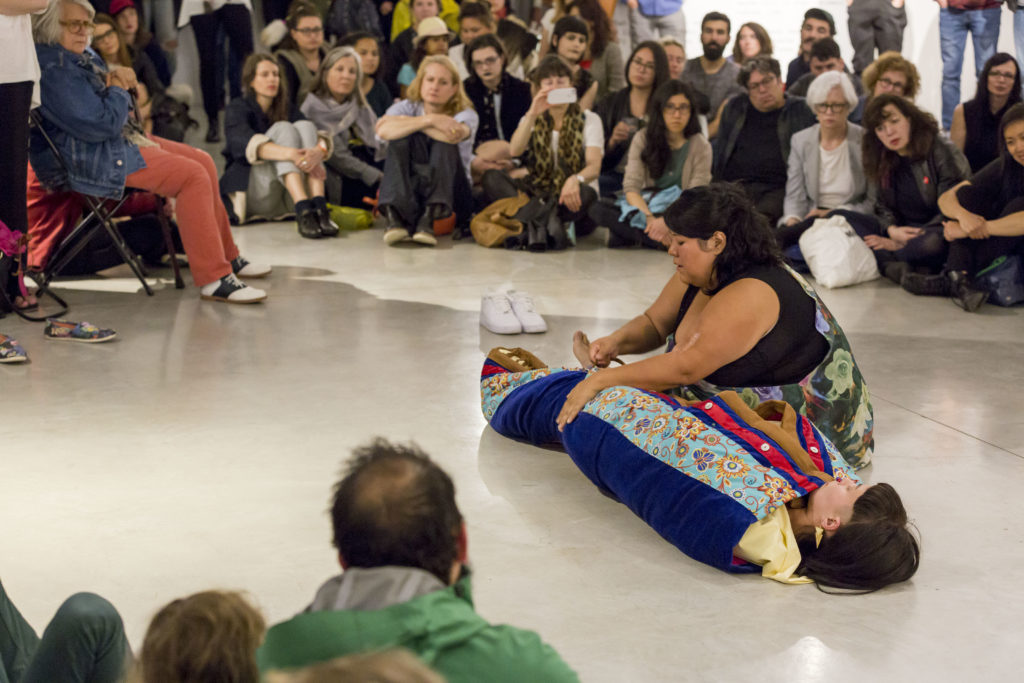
{"x": 11, "y": 351}
{"x": 242, "y": 267}
{"x": 231, "y": 290}
{"x": 65, "y": 330}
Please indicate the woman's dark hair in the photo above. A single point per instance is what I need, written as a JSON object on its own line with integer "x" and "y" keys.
{"x": 279, "y": 106}
{"x": 656, "y": 151}
{"x": 661, "y": 74}
{"x": 351, "y": 39}
{"x": 297, "y": 11}
{"x": 480, "y": 43}
{"x": 595, "y": 15}
{"x": 551, "y": 66}
{"x": 872, "y": 550}
{"x": 998, "y": 59}
{"x": 567, "y": 24}
{"x": 702, "y": 211}
{"x": 879, "y": 160}
{"x": 762, "y": 38}
{"x": 517, "y": 39}
{"x": 481, "y": 11}
{"x": 1013, "y": 172}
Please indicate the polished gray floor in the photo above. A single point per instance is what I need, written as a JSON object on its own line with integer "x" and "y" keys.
{"x": 198, "y": 450}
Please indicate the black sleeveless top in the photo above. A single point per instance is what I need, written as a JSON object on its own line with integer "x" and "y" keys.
{"x": 789, "y": 352}
{"x": 981, "y": 145}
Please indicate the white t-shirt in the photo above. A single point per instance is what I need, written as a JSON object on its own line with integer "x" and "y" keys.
{"x": 19, "y": 63}
{"x": 835, "y": 177}
{"x": 593, "y": 136}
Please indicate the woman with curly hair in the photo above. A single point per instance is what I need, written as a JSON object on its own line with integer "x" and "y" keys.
{"x": 734, "y": 316}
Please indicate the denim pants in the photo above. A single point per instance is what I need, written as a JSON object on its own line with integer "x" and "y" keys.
{"x": 83, "y": 643}
{"x": 983, "y": 25}
{"x": 1018, "y": 34}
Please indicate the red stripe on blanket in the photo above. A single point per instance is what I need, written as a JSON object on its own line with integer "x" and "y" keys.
{"x": 815, "y": 449}
{"x": 491, "y": 368}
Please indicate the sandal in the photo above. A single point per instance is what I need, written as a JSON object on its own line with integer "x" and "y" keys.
{"x": 11, "y": 351}
{"x": 86, "y": 333}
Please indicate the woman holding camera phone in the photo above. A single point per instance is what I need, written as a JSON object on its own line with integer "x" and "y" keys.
{"x": 561, "y": 146}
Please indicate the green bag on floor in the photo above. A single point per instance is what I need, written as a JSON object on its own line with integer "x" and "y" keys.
{"x": 351, "y": 218}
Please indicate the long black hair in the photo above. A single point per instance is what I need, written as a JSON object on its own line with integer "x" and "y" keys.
{"x": 1013, "y": 172}
{"x": 879, "y": 160}
{"x": 702, "y": 211}
{"x": 656, "y": 152}
{"x": 981, "y": 94}
{"x": 872, "y": 550}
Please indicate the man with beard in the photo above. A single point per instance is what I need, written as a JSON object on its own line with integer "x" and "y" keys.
{"x": 817, "y": 24}
{"x": 710, "y": 74}
{"x": 753, "y": 147}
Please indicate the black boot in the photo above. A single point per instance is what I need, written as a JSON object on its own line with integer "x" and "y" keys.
{"x": 328, "y": 228}
{"x": 895, "y": 270}
{"x": 925, "y": 285}
{"x": 396, "y": 231}
{"x": 307, "y": 219}
{"x": 963, "y": 294}
{"x": 213, "y": 131}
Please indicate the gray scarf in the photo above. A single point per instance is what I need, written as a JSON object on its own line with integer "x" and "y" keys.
{"x": 342, "y": 120}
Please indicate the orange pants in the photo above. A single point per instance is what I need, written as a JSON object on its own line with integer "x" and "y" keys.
{"x": 188, "y": 174}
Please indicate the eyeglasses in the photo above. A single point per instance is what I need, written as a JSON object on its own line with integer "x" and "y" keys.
{"x": 103, "y": 36}
{"x": 831, "y": 107}
{"x": 761, "y": 85}
{"x": 309, "y": 31}
{"x": 486, "y": 61}
{"x": 79, "y": 26}
{"x": 1002, "y": 74}
{"x": 646, "y": 66}
{"x": 892, "y": 85}
{"x": 676, "y": 108}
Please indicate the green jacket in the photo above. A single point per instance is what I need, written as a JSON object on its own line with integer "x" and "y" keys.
{"x": 441, "y": 627}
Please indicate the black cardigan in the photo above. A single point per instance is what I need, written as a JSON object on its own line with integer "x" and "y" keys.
{"x": 243, "y": 119}
{"x": 515, "y": 102}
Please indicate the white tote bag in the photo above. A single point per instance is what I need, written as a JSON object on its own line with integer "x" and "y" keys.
{"x": 836, "y": 254}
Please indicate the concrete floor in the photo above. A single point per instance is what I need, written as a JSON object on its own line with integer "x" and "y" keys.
{"x": 198, "y": 451}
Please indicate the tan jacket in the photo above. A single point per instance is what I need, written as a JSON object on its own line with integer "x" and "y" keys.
{"x": 696, "y": 168}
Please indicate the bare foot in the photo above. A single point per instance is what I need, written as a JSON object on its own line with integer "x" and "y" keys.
{"x": 581, "y": 349}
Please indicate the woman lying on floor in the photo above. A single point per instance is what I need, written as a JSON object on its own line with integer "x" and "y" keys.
{"x": 736, "y": 318}
{"x": 729, "y": 485}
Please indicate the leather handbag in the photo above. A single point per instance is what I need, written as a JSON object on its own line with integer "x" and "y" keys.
{"x": 497, "y": 222}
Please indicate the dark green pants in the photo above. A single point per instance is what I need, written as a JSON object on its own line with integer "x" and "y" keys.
{"x": 83, "y": 643}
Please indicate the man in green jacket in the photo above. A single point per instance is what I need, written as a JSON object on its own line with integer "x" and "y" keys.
{"x": 401, "y": 541}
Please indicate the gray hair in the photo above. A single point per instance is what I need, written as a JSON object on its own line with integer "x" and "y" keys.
{"x": 820, "y": 87}
{"x": 319, "y": 85}
{"x": 46, "y": 28}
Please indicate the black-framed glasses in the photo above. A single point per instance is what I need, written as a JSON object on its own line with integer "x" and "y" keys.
{"x": 98, "y": 37}
{"x": 831, "y": 107}
{"x": 646, "y": 66}
{"x": 676, "y": 108}
{"x": 1008, "y": 75}
{"x": 892, "y": 85}
{"x": 486, "y": 61}
{"x": 763, "y": 84}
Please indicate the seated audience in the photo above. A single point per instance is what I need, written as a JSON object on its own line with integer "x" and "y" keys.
{"x": 987, "y": 214}
{"x": 624, "y": 112}
{"x": 400, "y": 50}
{"x": 208, "y": 637}
{"x": 387, "y": 666}
{"x": 336, "y": 105}
{"x": 676, "y": 54}
{"x": 791, "y": 506}
{"x": 975, "y": 129}
{"x": 345, "y": 17}
{"x": 569, "y": 42}
{"x": 734, "y": 317}
{"x": 752, "y": 40}
{"x": 86, "y": 111}
{"x": 475, "y": 19}
{"x": 429, "y": 140}
{"x": 367, "y": 45}
{"x": 756, "y": 130}
{"x": 274, "y": 154}
{"x": 825, "y": 167}
{"x": 83, "y": 642}
{"x": 561, "y": 146}
{"x": 299, "y": 54}
{"x": 432, "y": 37}
{"x": 500, "y": 100}
{"x": 817, "y": 24}
{"x": 908, "y": 165}
{"x": 139, "y": 39}
{"x": 711, "y": 74}
{"x": 401, "y": 542}
{"x": 825, "y": 56}
{"x": 890, "y": 73}
{"x": 603, "y": 59}
{"x": 666, "y": 157}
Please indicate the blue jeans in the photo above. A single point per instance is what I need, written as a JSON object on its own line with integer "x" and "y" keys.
{"x": 1018, "y": 35}
{"x": 983, "y": 25}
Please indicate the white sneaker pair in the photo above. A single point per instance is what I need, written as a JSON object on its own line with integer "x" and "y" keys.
{"x": 510, "y": 312}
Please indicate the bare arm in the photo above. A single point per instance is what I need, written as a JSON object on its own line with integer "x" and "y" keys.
{"x": 958, "y": 129}
{"x": 398, "y": 127}
{"x": 1011, "y": 225}
{"x": 645, "y": 332}
{"x": 587, "y": 101}
{"x": 13, "y": 8}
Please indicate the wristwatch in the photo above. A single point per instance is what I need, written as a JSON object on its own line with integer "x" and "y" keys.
{"x": 579, "y": 177}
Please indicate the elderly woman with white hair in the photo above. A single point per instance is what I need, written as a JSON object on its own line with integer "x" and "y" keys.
{"x": 337, "y": 105}
{"x": 826, "y": 172}
{"x": 86, "y": 111}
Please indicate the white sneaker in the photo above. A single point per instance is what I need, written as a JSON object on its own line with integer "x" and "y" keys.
{"x": 242, "y": 267}
{"x": 395, "y": 235}
{"x": 231, "y": 290}
{"x": 522, "y": 308}
{"x": 496, "y": 314}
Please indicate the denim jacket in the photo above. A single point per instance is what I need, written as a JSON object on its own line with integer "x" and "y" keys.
{"x": 85, "y": 119}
